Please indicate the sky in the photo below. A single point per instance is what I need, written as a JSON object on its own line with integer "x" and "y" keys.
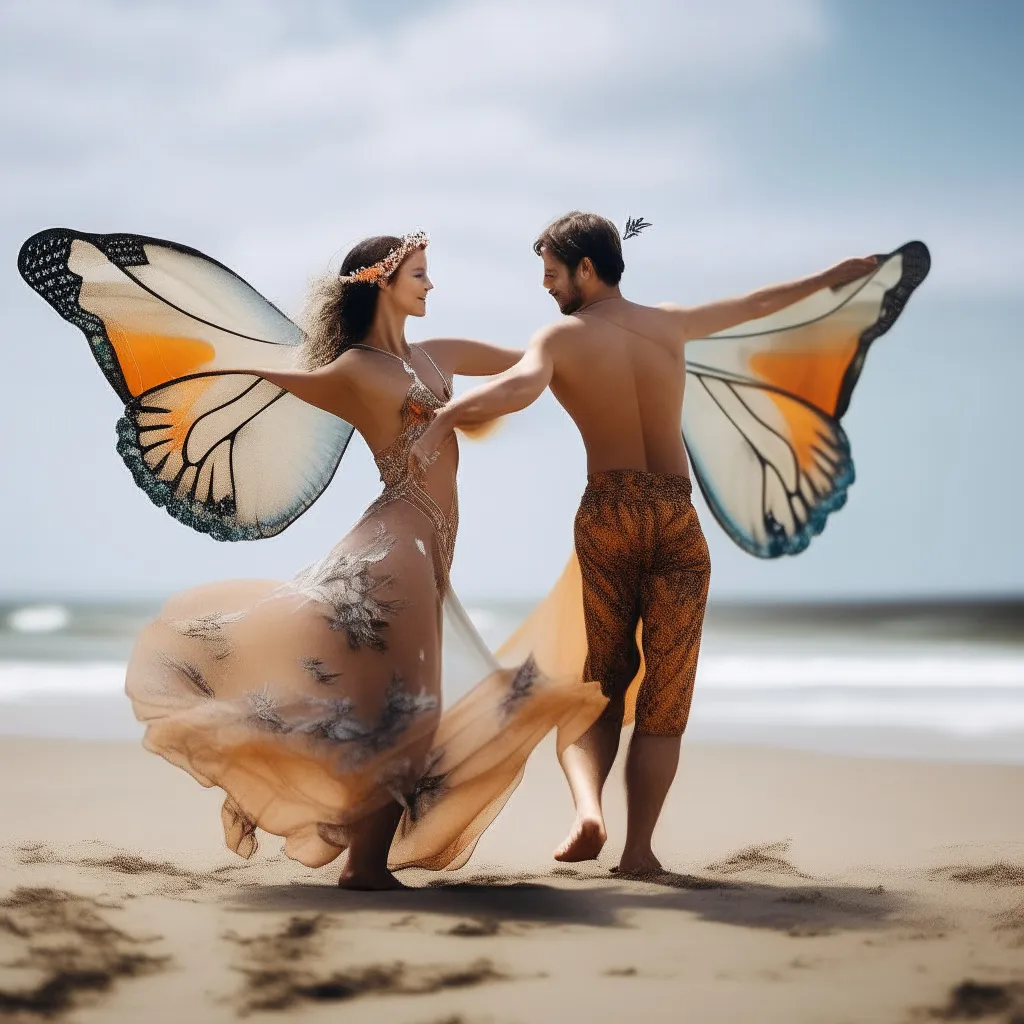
{"x": 764, "y": 139}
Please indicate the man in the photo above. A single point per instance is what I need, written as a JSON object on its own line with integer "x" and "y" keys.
{"x": 618, "y": 369}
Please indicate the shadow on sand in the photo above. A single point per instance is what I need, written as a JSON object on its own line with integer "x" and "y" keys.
{"x": 798, "y": 909}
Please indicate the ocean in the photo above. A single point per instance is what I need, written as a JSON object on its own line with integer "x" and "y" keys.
{"x": 934, "y": 680}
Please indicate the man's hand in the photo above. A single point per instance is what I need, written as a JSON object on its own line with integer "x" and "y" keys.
{"x": 506, "y": 392}
{"x": 425, "y": 451}
{"x": 849, "y": 270}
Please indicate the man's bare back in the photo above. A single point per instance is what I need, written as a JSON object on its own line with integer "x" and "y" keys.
{"x": 617, "y": 367}
{"x": 619, "y": 372}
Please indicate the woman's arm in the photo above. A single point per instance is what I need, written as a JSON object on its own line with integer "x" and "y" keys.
{"x": 471, "y": 358}
{"x": 703, "y": 321}
{"x": 326, "y": 387}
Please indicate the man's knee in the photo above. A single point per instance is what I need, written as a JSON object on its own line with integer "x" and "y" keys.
{"x": 663, "y": 711}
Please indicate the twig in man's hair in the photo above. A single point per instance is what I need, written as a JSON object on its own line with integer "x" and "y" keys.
{"x": 634, "y": 225}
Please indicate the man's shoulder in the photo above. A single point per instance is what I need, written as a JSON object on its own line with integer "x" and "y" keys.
{"x": 556, "y": 331}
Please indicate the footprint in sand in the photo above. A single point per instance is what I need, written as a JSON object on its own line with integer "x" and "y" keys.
{"x": 477, "y": 928}
{"x": 997, "y": 1003}
{"x": 279, "y": 977}
{"x": 764, "y": 857}
{"x": 1012, "y": 921}
{"x": 173, "y": 879}
{"x": 999, "y": 875}
{"x": 60, "y": 953}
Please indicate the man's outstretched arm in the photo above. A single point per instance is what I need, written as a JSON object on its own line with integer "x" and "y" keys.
{"x": 514, "y": 389}
{"x": 702, "y": 321}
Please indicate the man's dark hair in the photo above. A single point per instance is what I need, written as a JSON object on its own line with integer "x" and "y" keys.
{"x": 579, "y": 234}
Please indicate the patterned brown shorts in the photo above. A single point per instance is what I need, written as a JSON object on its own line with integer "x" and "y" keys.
{"x": 644, "y": 559}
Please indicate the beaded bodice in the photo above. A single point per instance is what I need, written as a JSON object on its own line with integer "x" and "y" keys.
{"x": 417, "y": 410}
{"x": 393, "y": 463}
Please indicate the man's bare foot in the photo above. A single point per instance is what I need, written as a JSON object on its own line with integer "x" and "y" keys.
{"x": 585, "y": 841}
{"x": 378, "y": 881}
{"x": 639, "y": 864}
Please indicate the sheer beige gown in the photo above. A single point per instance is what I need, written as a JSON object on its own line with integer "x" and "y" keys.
{"x": 315, "y": 702}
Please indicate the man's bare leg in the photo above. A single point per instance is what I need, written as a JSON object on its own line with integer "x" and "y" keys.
{"x": 650, "y": 768}
{"x": 367, "y": 864}
{"x": 586, "y": 765}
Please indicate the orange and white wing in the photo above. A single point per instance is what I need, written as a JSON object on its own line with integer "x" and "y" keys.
{"x": 225, "y": 453}
{"x": 763, "y": 404}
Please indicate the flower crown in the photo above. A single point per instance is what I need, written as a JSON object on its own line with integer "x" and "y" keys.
{"x": 383, "y": 269}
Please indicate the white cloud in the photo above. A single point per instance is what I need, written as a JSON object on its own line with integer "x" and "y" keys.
{"x": 222, "y": 95}
{"x": 284, "y": 131}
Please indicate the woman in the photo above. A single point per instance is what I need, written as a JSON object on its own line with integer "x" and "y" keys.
{"x": 315, "y": 704}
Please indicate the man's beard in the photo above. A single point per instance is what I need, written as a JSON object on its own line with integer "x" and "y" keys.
{"x": 573, "y": 302}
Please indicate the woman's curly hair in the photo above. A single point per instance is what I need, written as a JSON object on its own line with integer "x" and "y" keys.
{"x": 339, "y": 313}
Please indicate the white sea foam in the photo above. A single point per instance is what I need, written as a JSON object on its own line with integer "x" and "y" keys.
{"x": 19, "y": 679}
{"x": 39, "y": 618}
{"x": 957, "y": 696}
{"x": 979, "y": 715}
{"x": 770, "y": 671}
{"x": 24, "y": 680}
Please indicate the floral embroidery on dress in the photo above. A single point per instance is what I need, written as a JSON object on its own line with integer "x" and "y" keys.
{"x": 343, "y": 581}
{"x": 263, "y": 711}
{"x": 315, "y": 667}
{"x": 190, "y": 673}
{"x": 209, "y": 629}
{"x": 400, "y": 709}
{"x": 429, "y": 788}
{"x": 332, "y": 718}
{"x": 521, "y": 686}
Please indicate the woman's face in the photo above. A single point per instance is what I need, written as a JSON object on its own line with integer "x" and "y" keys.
{"x": 408, "y": 287}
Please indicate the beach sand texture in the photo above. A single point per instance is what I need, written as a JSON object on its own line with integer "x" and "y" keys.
{"x": 804, "y": 887}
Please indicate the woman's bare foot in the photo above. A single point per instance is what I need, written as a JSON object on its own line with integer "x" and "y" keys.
{"x": 585, "y": 841}
{"x": 639, "y": 863}
{"x": 366, "y": 867}
{"x": 378, "y": 881}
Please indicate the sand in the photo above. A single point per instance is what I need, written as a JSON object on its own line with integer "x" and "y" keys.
{"x": 803, "y": 887}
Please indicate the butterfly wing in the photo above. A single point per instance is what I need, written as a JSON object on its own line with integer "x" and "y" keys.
{"x": 764, "y": 400}
{"x": 230, "y": 454}
{"x": 225, "y": 453}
